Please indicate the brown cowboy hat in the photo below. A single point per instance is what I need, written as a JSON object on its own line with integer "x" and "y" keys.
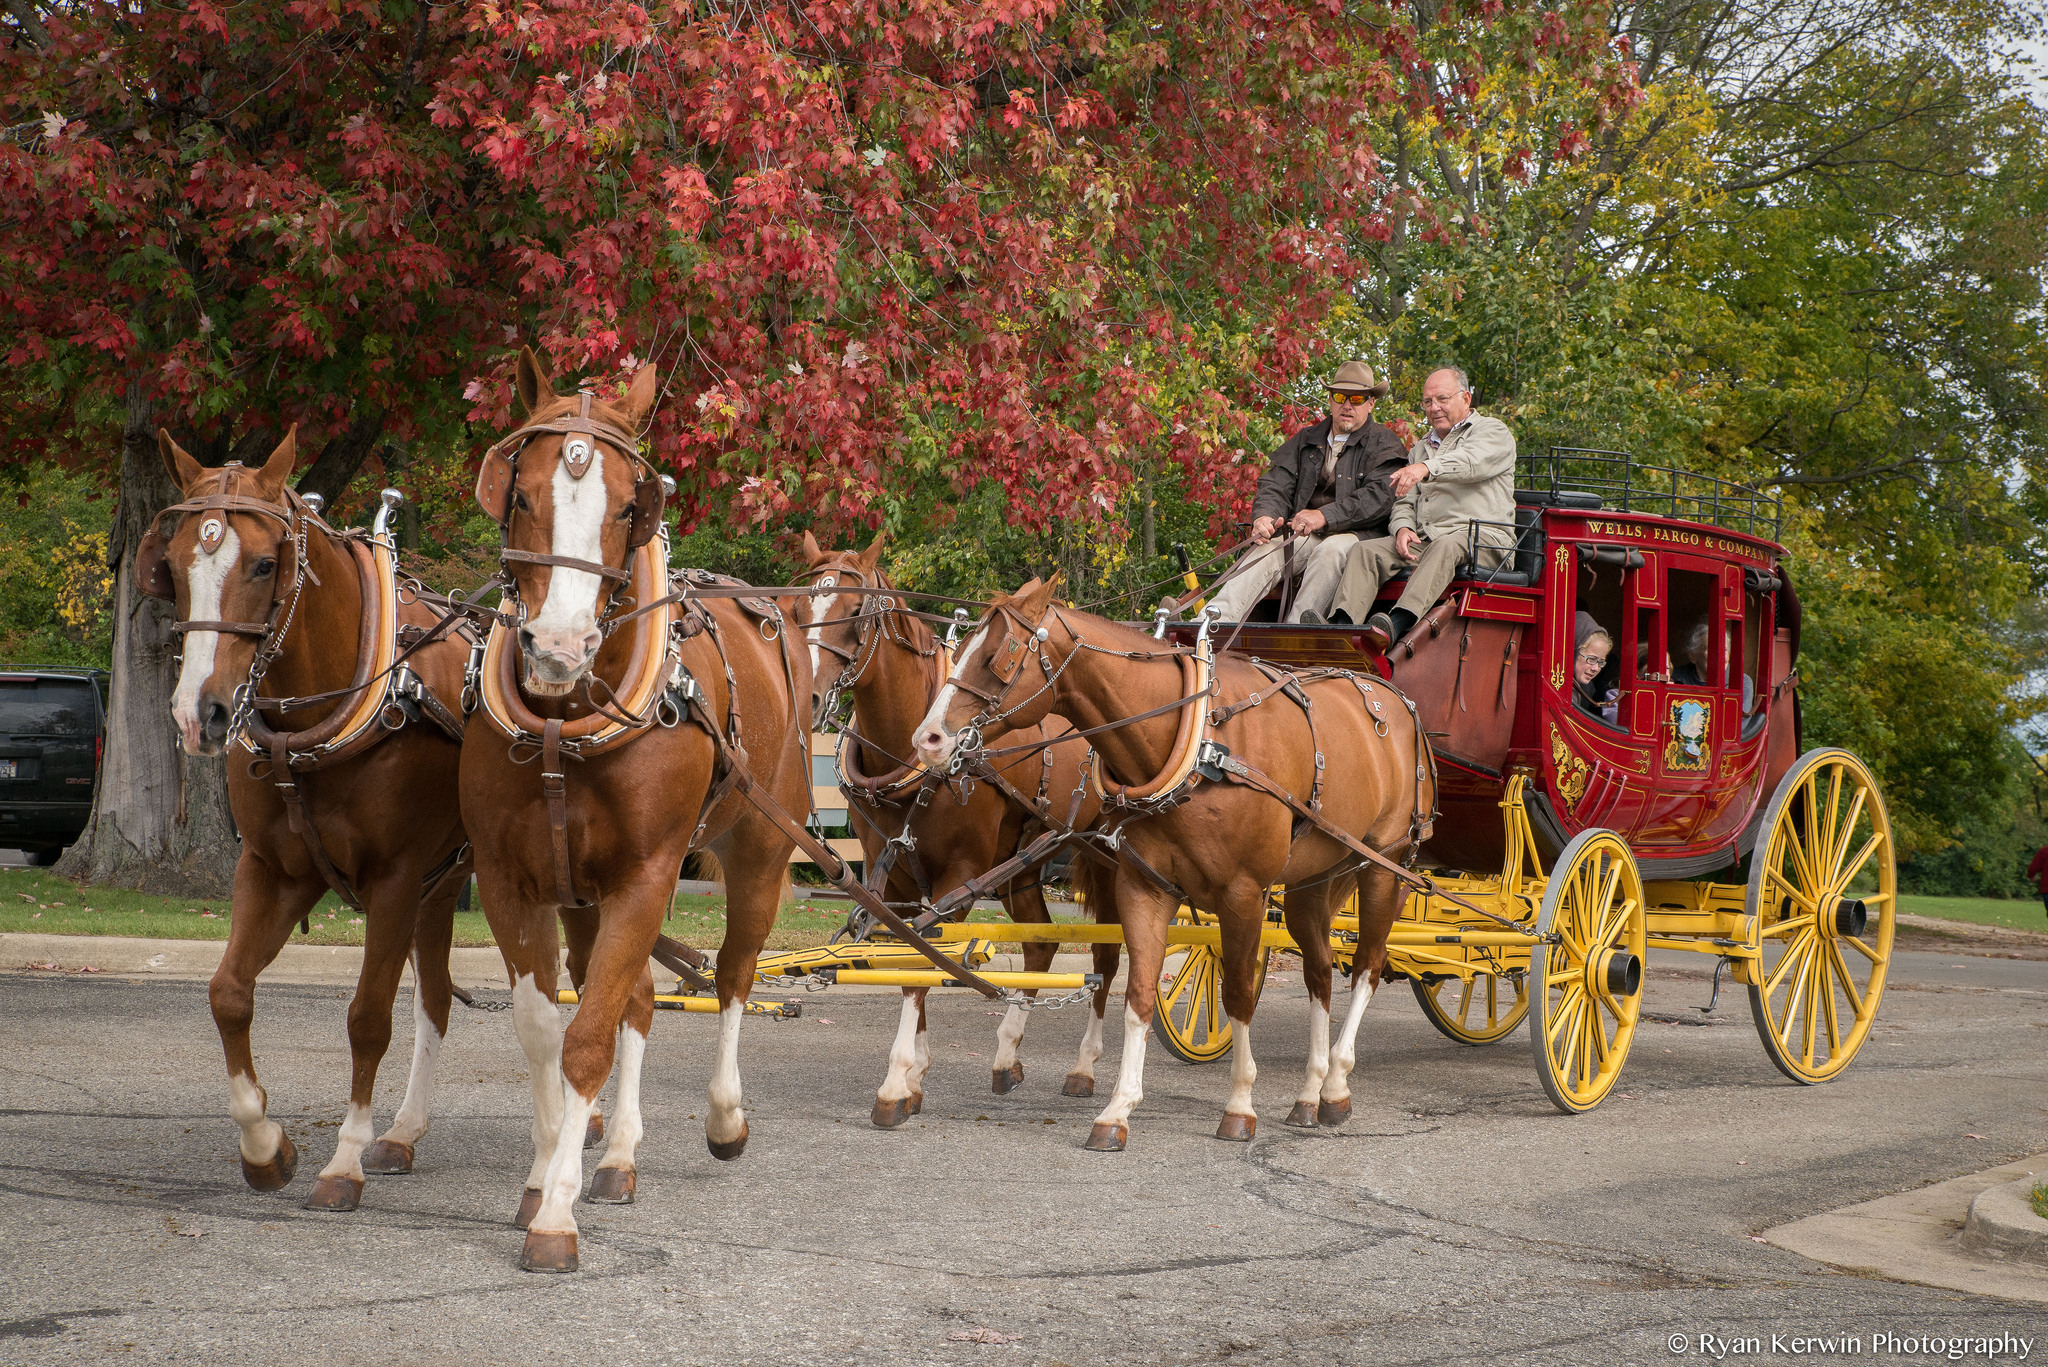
{"x": 1356, "y": 377}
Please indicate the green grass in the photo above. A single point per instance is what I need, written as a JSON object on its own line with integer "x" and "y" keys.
{"x": 37, "y": 901}
{"x": 2039, "y": 1197}
{"x": 1984, "y": 911}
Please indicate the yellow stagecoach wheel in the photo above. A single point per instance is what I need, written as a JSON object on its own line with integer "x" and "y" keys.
{"x": 1586, "y": 989}
{"x": 1482, "y": 1009}
{"x": 1823, "y": 896}
{"x": 1189, "y": 1018}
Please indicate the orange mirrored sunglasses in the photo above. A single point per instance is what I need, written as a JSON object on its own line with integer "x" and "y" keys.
{"x": 1338, "y": 396}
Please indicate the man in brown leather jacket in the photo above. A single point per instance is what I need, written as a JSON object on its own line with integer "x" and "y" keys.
{"x": 1329, "y": 486}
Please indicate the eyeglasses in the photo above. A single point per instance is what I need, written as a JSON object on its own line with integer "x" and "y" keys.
{"x": 1589, "y": 655}
{"x": 1353, "y": 399}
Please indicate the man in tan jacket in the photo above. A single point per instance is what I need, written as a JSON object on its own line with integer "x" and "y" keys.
{"x": 1461, "y": 472}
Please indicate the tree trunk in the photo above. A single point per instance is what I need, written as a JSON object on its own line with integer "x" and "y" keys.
{"x": 160, "y": 819}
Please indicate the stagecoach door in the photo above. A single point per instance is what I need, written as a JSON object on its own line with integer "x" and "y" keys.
{"x": 1694, "y": 648}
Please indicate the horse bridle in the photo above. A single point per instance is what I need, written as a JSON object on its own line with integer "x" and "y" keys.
{"x": 1006, "y": 664}
{"x": 876, "y": 609}
{"x": 153, "y": 577}
{"x": 496, "y": 479}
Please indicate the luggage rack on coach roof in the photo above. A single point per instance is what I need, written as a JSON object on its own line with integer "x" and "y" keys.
{"x": 1587, "y": 477}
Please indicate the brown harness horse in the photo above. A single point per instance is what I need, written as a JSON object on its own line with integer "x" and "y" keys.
{"x": 1188, "y": 820}
{"x": 928, "y": 833}
{"x": 275, "y": 605}
{"x": 601, "y": 768}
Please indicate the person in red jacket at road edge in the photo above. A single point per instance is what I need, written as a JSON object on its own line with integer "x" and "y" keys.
{"x": 2038, "y": 871}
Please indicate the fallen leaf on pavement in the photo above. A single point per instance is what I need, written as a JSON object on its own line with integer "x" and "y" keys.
{"x": 47, "y": 968}
{"x": 980, "y": 1336}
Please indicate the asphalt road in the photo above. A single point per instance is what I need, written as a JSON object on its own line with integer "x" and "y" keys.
{"x": 1457, "y": 1219}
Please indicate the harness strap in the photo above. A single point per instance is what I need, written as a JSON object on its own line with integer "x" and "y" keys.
{"x": 1236, "y": 770}
{"x": 554, "y": 785}
{"x": 295, "y": 814}
{"x": 226, "y": 628}
{"x": 567, "y": 562}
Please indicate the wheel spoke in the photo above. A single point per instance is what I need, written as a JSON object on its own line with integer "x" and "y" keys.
{"x": 1847, "y": 832}
{"x": 1811, "y": 988}
{"x": 1830, "y": 831}
{"x": 1598, "y": 1026}
{"x": 1791, "y": 890}
{"x": 1862, "y": 858}
{"x": 1824, "y": 983}
{"x": 1786, "y": 960}
{"x": 1840, "y": 967}
{"x": 1568, "y": 1062}
{"x": 1571, "y": 998}
{"x": 1465, "y": 1002}
{"x": 1793, "y": 964}
{"x": 1865, "y": 950}
{"x": 1789, "y": 925}
{"x": 1492, "y": 1002}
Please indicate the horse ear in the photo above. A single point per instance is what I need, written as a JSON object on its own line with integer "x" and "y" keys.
{"x": 872, "y": 556}
{"x": 812, "y": 553}
{"x": 183, "y": 468}
{"x": 641, "y": 397}
{"x": 534, "y": 382}
{"x": 277, "y": 471}
{"x": 1034, "y": 598}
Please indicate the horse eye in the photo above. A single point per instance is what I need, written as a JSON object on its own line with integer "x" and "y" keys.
{"x": 519, "y": 501}
{"x": 263, "y": 568}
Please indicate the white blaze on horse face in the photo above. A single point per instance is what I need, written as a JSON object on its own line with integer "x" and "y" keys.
{"x": 821, "y": 607}
{"x": 934, "y": 742}
{"x": 207, "y": 577}
{"x": 565, "y": 628}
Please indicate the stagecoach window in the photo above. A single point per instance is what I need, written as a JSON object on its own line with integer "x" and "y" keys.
{"x": 1653, "y": 664}
{"x": 1689, "y": 601}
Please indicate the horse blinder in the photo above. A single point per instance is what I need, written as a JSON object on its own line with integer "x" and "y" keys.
{"x": 1005, "y": 659}
{"x": 648, "y": 501}
{"x": 153, "y": 566}
{"x": 494, "y": 486}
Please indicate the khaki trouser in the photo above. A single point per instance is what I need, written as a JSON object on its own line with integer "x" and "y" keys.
{"x": 1373, "y": 562}
{"x": 1319, "y": 560}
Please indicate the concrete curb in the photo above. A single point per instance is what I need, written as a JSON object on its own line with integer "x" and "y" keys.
{"x": 2003, "y": 1224}
{"x": 134, "y": 957}
{"x": 1915, "y": 1236}
{"x": 190, "y": 960}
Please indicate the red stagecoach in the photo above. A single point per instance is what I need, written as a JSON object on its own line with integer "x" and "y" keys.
{"x": 1680, "y": 814}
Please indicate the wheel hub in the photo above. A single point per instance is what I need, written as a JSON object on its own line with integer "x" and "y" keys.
{"x": 1620, "y": 973}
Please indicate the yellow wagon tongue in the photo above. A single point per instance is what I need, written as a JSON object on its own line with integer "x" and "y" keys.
{"x": 869, "y": 954}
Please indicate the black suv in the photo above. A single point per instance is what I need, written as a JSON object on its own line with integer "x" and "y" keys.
{"x": 53, "y": 725}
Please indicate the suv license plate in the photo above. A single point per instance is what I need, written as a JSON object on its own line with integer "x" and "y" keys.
{"x": 6, "y": 768}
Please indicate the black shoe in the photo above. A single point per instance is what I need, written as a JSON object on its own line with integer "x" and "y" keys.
{"x": 1379, "y": 632}
{"x": 1340, "y": 618}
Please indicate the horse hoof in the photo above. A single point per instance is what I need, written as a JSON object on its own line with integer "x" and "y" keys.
{"x": 889, "y": 1114}
{"x": 547, "y": 1251}
{"x": 277, "y": 1173}
{"x": 727, "y": 1150}
{"x": 1302, "y": 1117}
{"x": 1104, "y": 1137}
{"x": 387, "y": 1158}
{"x": 529, "y": 1206}
{"x": 1238, "y": 1129}
{"x": 612, "y": 1187}
{"x": 336, "y": 1193}
{"x": 1333, "y": 1112}
{"x": 593, "y": 1135}
{"x": 917, "y": 1103}
{"x": 1078, "y": 1084}
{"x": 1007, "y": 1080}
